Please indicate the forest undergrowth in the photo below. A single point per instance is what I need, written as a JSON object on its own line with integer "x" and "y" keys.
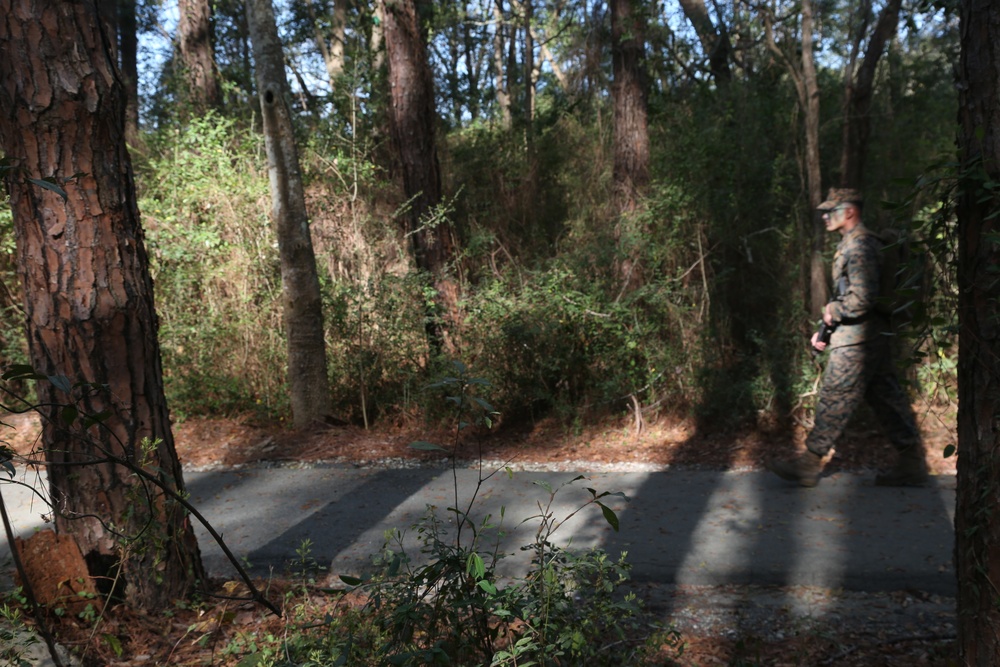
{"x": 674, "y": 626}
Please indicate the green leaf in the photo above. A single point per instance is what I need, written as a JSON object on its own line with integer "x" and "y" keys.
{"x": 68, "y": 414}
{"x": 487, "y": 587}
{"x": 251, "y": 660}
{"x": 948, "y": 451}
{"x": 61, "y": 382}
{"x": 483, "y": 404}
{"x": 49, "y": 185}
{"x": 426, "y": 446}
{"x": 113, "y": 642}
{"x": 90, "y": 420}
{"x": 609, "y": 516}
{"x": 397, "y": 561}
{"x": 18, "y": 371}
{"x": 475, "y": 566}
{"x": 350, "y": 581}
{"x": 9, "y": 467}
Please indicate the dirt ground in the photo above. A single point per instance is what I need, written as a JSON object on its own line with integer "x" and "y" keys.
{"x": 717, "y": 625}
{"x": 666, "y": 442}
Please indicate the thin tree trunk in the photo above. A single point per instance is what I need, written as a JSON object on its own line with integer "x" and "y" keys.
{"x": 858, "y": 99}
{"x": 194, "y": 36}
{"x": 473, "y": 66}
{"x": 88, "y": 296}
{"x": 411, "y": 87}
{"x": 528, "y": 65}
{"x": 819, "y": 286}
{"x": 803, "y": 74}
{"x": 332, "y": 51}
{"x": 500, "y": 81}
{"x": 302, "y": 304}
{"x": 378, "y": 38}
{"x": 977, "y": 519}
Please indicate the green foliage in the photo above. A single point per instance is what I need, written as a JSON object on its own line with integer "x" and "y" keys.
{"x": 694, "y": 300}
{"x": 205, "y": 206}
{"x": 13, "y": 346}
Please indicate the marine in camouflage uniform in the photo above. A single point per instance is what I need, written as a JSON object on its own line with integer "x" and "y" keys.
{"x": 860, "y": 366}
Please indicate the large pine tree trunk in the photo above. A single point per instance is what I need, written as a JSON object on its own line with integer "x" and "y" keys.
{"x": 88, "y": 295}
{"x": 977, "y": 516}
{"x": 194, "y": 36}
{"x": 631, "y": 133}
{"x": 413, "y": 116}
{"x": 302, "y": 303}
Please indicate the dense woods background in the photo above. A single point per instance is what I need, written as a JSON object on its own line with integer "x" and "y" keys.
{"x": 601, "y": 208}
{"x": 691, "y": 297}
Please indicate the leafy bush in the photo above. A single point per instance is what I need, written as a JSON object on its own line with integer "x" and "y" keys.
{"x": 205, "y": 206}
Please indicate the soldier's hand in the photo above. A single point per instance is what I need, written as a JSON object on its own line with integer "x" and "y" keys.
{"x": 817, "y": 343}
{"x": 828, "y": 314}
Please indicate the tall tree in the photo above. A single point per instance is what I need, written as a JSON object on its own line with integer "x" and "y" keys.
{"x": 88, "y": 295}
{"x": 714, "y": 41}
{"x": 330, "y": 48}
{"x": 413, "y": 119}
{"x": 500, "y": 80}
{"x": 858, "y": 94}
{"x": 802, "y": 71}
{"x": 977, "y": 521}
{"x": 631, "y": 132}
{"x": 194, "y": 41}
{"x": 302, "y": 302}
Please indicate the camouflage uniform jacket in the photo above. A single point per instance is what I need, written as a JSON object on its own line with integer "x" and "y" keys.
{"x": 856, "y": 269}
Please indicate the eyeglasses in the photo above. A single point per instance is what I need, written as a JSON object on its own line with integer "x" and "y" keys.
{"x": 835, "y": 209}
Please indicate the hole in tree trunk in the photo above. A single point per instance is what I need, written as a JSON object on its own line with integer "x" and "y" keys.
{"x": 269, "y": 97}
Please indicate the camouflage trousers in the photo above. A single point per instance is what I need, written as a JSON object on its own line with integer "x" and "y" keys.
{"x": 857, "y": 372}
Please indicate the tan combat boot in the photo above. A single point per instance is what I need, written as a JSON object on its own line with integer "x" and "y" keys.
{"x": 803, "y": 469}
{"x": 910, "y": 470}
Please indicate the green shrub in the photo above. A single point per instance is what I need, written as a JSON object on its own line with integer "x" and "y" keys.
{"x": 205, "y": 205}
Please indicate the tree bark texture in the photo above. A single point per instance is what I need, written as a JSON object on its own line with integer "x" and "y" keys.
{"x": 819, "y": 290}
{"x": 194, "y": 36}
{"x": 302, "y": 303}
{"x": 88, "y": 296}
{"x": 528, "y": 64}
{"x": 413, "y": 118}
{"x": 631, "y": 130}
{"x": 128, "y": 43}
{"x": 332, "y": 51}
{"x": 977, "y": 519}
{"x": 500, "y": 81}
{"x": 803, "y": 74}
{"x": 858, "y": 99}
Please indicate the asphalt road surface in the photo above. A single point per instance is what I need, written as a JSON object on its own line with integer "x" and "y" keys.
{"x": 678, "y": 526}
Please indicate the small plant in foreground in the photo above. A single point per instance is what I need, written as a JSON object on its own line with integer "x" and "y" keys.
{"x": 449, "y": 605}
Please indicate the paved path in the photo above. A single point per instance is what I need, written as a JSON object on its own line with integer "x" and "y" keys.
{"x": 680, "y": 527}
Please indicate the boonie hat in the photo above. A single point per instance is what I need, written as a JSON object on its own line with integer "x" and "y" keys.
{"x": 837, "y": 196}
